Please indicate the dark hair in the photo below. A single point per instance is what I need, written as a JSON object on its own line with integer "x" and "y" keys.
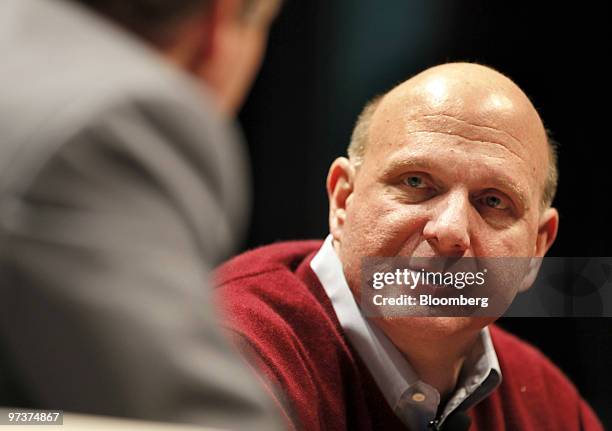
{"x": 152, "y": 19}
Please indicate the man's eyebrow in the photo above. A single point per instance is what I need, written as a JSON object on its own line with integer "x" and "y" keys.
{"x": 412, "y": 163}
{"x": 515, "y": 191}
{"x": 429, "y": 166}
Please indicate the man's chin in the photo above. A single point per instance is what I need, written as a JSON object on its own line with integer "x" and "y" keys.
{"x": 432, "y": 327}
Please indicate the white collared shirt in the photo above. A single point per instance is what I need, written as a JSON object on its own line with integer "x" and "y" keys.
{"x": 413, "y": 401}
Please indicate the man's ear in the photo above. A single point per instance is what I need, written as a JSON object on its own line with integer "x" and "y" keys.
{"x": 340, "y": 183}
{"x": 195, "y": 40}
{"x": 547, "y": 232}
{"x": 220, "y": 15}
{"x": 210, "y": 37}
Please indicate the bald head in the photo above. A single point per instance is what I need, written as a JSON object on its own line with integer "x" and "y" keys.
{"x": 469, "y": 101}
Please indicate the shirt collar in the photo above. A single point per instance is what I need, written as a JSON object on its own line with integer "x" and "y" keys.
{"x": 414, "y": 401}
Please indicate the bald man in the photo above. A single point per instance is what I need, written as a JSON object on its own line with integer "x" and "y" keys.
{"x": 453, "y": 163}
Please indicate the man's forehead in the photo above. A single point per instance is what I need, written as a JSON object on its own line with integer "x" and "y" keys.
{"x": 408, "y": 127}
{"x": 461, "y": 106}
{"x": 483, "y": 109}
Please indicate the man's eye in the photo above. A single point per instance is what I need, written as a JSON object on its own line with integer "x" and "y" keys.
{"x": 495, "y": 202}
{"x": 415, "y": 181}
{"x": 417, "y": 188}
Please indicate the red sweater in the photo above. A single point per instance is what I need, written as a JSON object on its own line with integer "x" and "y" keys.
{"x": 279, "y": 313}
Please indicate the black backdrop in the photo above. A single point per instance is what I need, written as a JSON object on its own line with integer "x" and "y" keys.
{"x": 327, "y": 57}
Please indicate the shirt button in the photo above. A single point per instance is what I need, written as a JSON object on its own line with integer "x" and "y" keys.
{"x": 418, "y": 397}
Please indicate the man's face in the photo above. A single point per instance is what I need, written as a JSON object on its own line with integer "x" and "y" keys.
{"x": 448, "y": 171}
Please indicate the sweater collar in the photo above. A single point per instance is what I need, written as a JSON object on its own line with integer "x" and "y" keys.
{"x": 414, "y": 401}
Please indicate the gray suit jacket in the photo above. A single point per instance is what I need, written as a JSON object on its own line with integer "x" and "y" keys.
{"x": 120, "y": 188}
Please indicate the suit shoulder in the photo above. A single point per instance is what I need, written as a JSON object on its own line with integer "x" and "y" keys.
{"x": 61, "y": 58}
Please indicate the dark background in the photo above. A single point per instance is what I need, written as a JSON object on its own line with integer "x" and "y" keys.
{"x": 326, "y": 58}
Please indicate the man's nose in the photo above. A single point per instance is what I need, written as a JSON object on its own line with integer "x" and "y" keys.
{"x": 447, "y": 231}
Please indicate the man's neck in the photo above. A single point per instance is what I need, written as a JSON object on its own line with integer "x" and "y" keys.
{"x": 436, "y": 360}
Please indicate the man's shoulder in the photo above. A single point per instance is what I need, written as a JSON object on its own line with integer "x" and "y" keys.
{"x": 279, "y": 315}
{"x": 60, "y": 47}
{"x": 76, "y": 87}
{"x": 273, "y": 287}
{"x": 525, "y": 368}
{"x": 281, "y": 257}
{"x": 64, "y": 65}
{"x": 534, "y": 392}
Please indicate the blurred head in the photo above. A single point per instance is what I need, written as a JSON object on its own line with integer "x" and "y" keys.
{"x": 220, "y": 42}
{"x": 454, "y": 162}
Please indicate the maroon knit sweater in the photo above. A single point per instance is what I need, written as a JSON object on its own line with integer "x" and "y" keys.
{"x": 279, "y": 313}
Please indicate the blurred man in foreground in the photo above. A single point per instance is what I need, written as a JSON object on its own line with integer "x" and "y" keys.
{"x": 453, "y": 163}
{"x": 122, "y": 184}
